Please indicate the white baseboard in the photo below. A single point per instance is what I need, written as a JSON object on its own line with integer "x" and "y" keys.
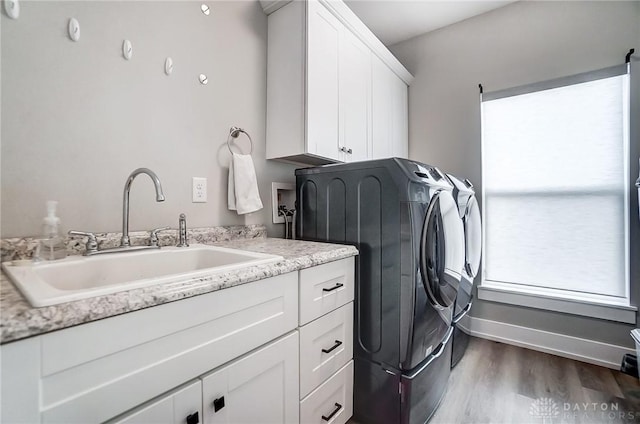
{"x": 590, "y": 351}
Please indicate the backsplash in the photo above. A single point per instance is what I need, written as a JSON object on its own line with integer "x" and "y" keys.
{"x": 18, "y": 248}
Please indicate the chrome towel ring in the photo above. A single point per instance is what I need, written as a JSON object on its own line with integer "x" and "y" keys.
{"x": 234, "y": 132}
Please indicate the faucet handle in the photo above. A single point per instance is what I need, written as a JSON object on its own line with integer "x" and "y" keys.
{"x": 92, "y": 243}
{"x": 153, "y": 236}
{"x": 182, "y": 231}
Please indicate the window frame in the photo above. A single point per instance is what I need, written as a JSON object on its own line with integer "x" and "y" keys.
{"x": 567, "y": 301}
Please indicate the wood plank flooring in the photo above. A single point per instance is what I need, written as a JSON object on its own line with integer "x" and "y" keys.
{"x": 500, "y": 383}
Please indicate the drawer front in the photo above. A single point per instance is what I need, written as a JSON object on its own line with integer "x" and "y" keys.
{"x": 229, "y": 323}
{"x": 326, "y": 345}
{"x": 325, "y": 287}
{"x": 332, "y": 402}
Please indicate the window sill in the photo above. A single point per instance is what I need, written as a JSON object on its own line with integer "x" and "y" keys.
{"x": 552, "y": 300}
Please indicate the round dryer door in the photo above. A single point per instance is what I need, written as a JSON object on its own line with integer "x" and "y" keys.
{"x": 473, "y": 237}
{"x": 442, "y": 250}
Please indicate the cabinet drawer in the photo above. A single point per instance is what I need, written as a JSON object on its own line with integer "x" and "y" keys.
{"x": 174, "y": 408}
{"x": 332, "y": 402}
{"x": 326, "y": 345}
{"x": 325, "y": 287}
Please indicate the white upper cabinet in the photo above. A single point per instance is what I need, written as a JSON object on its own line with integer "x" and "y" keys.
{"x": 389, "y": 113}
{"x": 323, "y": 82}
{"x": 400, "y": 119}
{"x": 355, "y": 98}
{"x": 328, "y": 81}
{"x": 382, "y": 109}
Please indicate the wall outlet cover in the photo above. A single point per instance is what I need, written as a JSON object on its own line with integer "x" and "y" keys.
{"x": 199, "y": 190}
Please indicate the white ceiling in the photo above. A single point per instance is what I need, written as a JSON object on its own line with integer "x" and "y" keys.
{"x": 393, "y": 21}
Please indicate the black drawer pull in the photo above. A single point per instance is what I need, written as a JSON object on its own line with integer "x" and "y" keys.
{"x": 193, "y": 418}
{"x": 218, "y": 404}
{"x": 335, "y": 346}
{"x": 335, "y": 411}
{"x": 337, "y": 286}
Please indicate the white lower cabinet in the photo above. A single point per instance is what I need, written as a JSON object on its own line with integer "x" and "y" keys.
{"x": 182, "y": 406}
{"x": 326, "y": 342}
{"x": 260, "y": 388}
{"x": 325, "y": 288}
{"x": 332, "y": 402}
{"x": 232, "y": 356}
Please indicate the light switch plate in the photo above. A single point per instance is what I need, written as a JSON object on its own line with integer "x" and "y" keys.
{"x": 199, "y": 190}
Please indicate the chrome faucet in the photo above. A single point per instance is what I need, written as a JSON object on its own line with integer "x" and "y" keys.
{"x": 124, "y": 241}
{"x": 92, "y": 248}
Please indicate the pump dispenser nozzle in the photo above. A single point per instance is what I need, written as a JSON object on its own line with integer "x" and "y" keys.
{"x": 52, "y": 245}
{"x": 51, "y": 221}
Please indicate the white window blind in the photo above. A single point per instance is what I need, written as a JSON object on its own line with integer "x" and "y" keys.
{"x": 555, "y": 185}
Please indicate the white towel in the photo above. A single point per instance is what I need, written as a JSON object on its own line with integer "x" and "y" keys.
{"x": 243, "y": 195}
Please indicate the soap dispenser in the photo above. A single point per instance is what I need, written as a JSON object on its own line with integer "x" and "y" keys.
{"x": 52, "y": 245}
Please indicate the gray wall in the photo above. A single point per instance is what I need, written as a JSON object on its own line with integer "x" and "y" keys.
{"x": 521, "y": 43}
{"x": 77, "y": 118}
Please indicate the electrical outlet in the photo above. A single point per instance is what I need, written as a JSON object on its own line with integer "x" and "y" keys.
{"x": 199, "y": 190}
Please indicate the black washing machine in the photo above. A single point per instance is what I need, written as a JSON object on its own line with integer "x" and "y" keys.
{"x": 403, "y": 218}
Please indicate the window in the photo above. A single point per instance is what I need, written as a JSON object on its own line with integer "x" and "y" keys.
{"x": 556, "y": 189}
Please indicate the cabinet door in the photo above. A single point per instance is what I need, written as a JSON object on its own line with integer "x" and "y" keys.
{"x": 382, "y": 103}
{"x": 323, "y": 39}
{"x": 389, "y": 112}
{"x": 180, "y": 407}
{"x": 355, "y": 97}
{"x": 260, "y": 388}
{"x": 400, "y": 118}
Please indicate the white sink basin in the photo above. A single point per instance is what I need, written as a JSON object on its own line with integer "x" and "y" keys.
{"x": 73, "y": 278}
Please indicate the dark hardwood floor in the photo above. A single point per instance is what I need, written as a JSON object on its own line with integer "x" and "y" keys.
{"x": 500, "y": 383}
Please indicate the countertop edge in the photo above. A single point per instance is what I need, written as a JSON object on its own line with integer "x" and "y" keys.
{"x": 23, "y": 321}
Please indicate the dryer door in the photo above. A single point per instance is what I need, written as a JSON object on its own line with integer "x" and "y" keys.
{"x": 473, "y": 237}
{"x": 442, "y": 250}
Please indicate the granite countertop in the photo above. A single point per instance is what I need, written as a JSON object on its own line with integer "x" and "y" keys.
{"x": 18, "y": 319}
